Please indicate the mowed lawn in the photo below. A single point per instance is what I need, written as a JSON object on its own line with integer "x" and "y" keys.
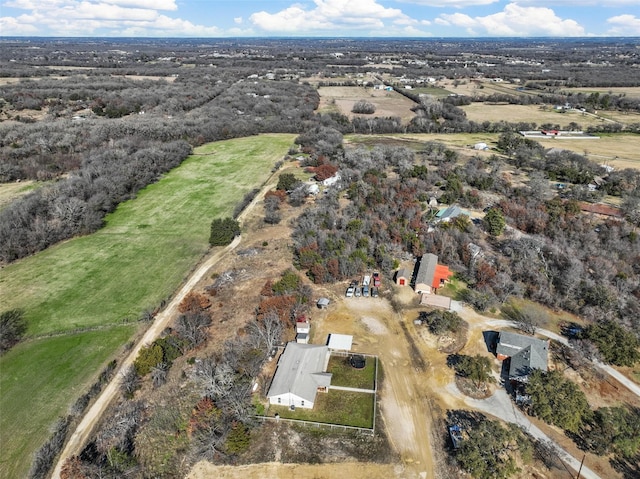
{"x": 83, "y": 297}
{"x": 334, "y": 407}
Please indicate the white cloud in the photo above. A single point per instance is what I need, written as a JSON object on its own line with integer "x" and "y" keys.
{"x": 89, "y": 17}
{"x": 150, "y": 4}
{"x": 238, "y": 20}
{"x": 516, "y": 21}
{"x": 15, "y": 26}
{"x": 624, "y": 25}
{"x": 327, "y": 16}
{"x": 582, "y": 3}
{"x": 451, "y": 3}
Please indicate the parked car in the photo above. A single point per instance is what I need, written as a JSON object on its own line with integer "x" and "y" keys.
{"x": 350, "y": 291}
{"x": 358, "y": 292}
{"x": 376, "y": 279}
{"x": 365, "y": 291}
{"x": 374, "y": 292}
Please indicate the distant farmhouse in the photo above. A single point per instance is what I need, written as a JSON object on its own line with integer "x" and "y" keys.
{"x": 449, "y": 213}
{"x": 527, "y": 353}
{"x": 300, "y": 375}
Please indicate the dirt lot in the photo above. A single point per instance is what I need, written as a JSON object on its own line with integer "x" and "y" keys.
{"x": 357, "y": 470}
{"x": 388, "y": 103}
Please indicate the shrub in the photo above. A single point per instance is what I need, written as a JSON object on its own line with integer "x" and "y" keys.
{"x": 223, "y": 231}
{"x": 12, "y": 328}
{"x": 363, "y": 107}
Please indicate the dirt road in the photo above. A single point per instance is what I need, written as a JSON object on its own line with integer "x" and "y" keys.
{"x": 84, "y": 429}
{"x": 404, "y": 396}
{"x": 163, "y": 319}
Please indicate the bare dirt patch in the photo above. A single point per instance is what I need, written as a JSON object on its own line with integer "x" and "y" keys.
{"x": 354, "y": 470}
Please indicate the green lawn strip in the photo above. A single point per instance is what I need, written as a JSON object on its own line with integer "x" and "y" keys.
{"x": 147, "y": 246}
{"x": 40, "y": 379}
{"x": 343, "y": 374}
{"x": 335, "y": 407}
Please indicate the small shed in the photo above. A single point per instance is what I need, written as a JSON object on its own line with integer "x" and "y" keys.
{"x": 340, "y": 342}
{"x": 403, "y": 277}
{"x": 323, "y": 303}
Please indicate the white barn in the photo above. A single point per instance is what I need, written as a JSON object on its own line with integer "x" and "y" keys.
{"x": 300, "y": 375}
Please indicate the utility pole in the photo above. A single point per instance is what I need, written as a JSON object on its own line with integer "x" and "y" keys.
{"x": 581, "y": 463}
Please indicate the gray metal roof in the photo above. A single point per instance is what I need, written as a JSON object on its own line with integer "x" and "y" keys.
{"x": 525, "y": 361}
{"x": 301, "y": 371}
{"x": 427, "y": 269}
{"x": 526, "y": 353}
{"x": 450, "y": 212}
{"x": 403, "y": 273}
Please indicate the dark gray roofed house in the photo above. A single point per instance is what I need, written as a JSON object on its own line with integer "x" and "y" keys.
{"x": 527, "y": 353}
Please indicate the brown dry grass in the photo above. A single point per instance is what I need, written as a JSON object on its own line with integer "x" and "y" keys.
{"x": 388, "y": 103}
{"x": 11, "y": 191}
{"x": 480, "y": 112}
{"x": 631, "y": 92}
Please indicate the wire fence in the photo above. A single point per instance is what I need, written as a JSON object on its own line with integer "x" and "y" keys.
{"x": 323, "y": 425}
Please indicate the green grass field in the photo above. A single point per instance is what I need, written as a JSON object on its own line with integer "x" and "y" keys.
{"x": 82, "y": 296}
{"x": 335, "y": 407}
{"x": 345, "y": 375}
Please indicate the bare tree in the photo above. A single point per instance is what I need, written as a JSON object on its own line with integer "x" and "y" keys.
{"x": 130, "y": 382}
{"x": 266, "y": 333}
{"x": 214, "y": 377}
{"x": 159, "y": 374}
{"x": 192, "y": 327}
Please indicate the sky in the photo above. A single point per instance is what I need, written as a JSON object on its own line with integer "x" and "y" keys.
{"x": 320, "y": 18}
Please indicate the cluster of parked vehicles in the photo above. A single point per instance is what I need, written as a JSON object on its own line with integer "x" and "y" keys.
{"x": 369, "y": 287}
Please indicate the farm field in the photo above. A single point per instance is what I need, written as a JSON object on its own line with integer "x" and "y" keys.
{"x": 620, "y": 150}
{"x": 631, "y": 92}
{"x": 480, "y": 112}
{"x": 82, "y": 298}
{"x": 342, "y": 99}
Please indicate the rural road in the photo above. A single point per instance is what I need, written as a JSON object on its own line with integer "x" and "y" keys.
{"x": 84, "y": 429}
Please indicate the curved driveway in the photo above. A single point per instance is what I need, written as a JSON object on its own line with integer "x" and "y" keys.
{"x": 500, "y": 404}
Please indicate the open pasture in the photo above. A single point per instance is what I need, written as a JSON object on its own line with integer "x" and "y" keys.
{"x": 631, "y": 92}
{"x": 480, "y": 112}
{"x": 82, "y": 297}
{"x": 388, "y": 103}
{"x": 621, "y": 150}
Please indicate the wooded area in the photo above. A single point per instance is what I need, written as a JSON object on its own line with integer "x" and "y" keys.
{"x": 92, "y": 123}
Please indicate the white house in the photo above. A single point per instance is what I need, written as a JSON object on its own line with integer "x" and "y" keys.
{"x": 300, "y": 375}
